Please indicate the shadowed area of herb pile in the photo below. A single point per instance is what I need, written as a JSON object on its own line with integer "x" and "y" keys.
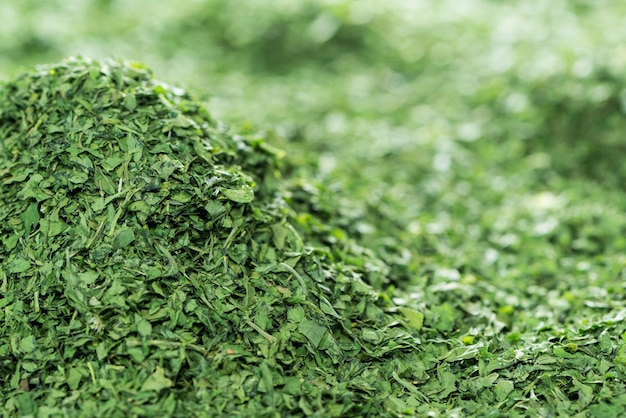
{"x": 153, "y": 262}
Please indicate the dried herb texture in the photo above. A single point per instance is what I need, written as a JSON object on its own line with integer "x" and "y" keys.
{"x": 151, "y": 264}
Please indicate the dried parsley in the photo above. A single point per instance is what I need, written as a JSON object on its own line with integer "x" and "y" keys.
{"x": 151, "y": 264}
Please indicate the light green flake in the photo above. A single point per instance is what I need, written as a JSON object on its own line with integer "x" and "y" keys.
{"x": 244, "y": 195}
{"x": 156, "y": 381}
{"x": 312, "y": 330}
{"x": 19, "y": 265}
{"x": 27, "y": 344}
{"x": 123, "y": 238}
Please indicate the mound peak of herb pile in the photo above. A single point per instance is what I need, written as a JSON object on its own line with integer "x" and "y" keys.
{"x": 150, "y": 261}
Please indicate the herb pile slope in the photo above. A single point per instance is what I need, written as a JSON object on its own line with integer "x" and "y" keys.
{"x": 150, "y": 261}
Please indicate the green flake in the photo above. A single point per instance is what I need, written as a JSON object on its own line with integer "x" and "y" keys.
{"x": 503, "y": 388}
{"x": 442, "y": 317}
{"x": 123, "y": 238}
{"x": 312, "y": 330}
{"x": 414, "y": 318}
{"x": 27, "y": 344}
{"x": 130, "y": 102}
{"x": 79, "y": 177}
{"x": 144, "y": 328}
{"x": 18, "y": 265}
{"x": 156, "y": 381}
{"x": 245, "y": 195}
{"x": 30, "y": 217}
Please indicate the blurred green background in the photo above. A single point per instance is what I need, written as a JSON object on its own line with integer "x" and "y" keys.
{"x": 475, "y": 137}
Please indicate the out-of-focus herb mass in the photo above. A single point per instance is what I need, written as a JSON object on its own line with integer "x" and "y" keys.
{"x": 153, "y": 263}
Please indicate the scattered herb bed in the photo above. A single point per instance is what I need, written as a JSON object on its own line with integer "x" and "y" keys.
{"x": 475, "y": 150}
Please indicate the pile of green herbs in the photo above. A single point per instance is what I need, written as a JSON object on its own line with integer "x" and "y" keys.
{"x": 151, "y": 263}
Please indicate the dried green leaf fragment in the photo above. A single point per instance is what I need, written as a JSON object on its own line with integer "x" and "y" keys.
{"x": 156, "y": 381}
{"x": 312, "y": 330}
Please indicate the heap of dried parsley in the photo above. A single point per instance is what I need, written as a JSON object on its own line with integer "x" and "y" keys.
{"x": 151, "y": 263}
